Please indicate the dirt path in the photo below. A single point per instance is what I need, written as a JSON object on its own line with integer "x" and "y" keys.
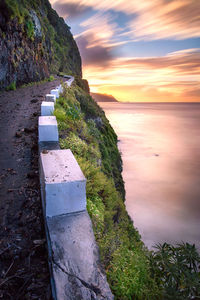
{"x": 23, "y": 256}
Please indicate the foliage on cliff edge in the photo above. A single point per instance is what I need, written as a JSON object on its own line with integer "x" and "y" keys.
{"x": 84, "y": 129}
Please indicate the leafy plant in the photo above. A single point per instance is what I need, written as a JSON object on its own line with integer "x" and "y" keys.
{"x": 176, "y": 270}
{"x": 11, "y": 87}
{"x": 51, "y": 78}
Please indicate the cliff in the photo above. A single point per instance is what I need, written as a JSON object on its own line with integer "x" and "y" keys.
{"x": 34, "y": 42}
{"x": 103, "y": 97}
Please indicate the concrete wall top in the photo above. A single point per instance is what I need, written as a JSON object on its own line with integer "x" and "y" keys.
{"x": 47, "y": 120}
{"x": 50, "y": 97}
{"x": 47, "y": 103}
{"x": 61, "y": 166}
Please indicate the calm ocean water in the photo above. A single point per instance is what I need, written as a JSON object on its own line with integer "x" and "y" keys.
{"x": 160, "y": 146}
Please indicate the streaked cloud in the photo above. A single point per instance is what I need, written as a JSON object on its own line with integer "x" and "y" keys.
{"x": 69, "y": 9}
{"x": 163, "y": 19}
{"x": 152, "y": 19}
{"x": 96, "y": 55}
{"x": 107, "y": 33}
{"x": 97, "y": 39}
{"x": 101, "y": 29}
{"x": 175, "y": 76}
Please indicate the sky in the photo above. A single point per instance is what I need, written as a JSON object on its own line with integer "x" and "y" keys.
{"x": 138, "y": 51}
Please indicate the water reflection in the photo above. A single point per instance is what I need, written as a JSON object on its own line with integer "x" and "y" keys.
{"x": 160, "y": 145}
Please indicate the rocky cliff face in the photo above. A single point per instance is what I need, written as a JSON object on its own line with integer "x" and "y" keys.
{"x": 34, "y": 42}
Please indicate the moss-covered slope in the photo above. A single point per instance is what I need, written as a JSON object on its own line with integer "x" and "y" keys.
{"x": 34, "y": 42}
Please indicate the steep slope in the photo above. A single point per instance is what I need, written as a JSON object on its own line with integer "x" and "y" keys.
{"x": 34, "y": 42}
{"x": 103, "y": 97}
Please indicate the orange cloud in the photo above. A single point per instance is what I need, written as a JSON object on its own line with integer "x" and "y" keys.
{"x": 174, "y": 77}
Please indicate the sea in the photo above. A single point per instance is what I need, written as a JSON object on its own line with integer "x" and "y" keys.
{"x": 160, "y": 147}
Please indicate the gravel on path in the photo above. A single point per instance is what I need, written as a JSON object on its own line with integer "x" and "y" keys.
{"x": 24, "y": 270}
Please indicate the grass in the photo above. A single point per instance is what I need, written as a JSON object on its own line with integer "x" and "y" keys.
{"x": 49, "y": 79}
{"x": 132, "y": 271}
{"x": 11, "y": 87}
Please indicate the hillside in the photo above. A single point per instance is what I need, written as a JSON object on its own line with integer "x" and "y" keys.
{"x": 34, "y": 43}
{"x": 103, "y": 97}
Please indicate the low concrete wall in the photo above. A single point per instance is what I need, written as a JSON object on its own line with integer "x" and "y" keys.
{"x": 47, "y": 108}
{"x": 50, "y": 98}
{"x": 64, "y": 183}
{"x": 48, "y": 129}
{"x": 76, "y": 273}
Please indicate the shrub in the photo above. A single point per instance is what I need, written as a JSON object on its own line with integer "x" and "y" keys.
{"x": 176, "y": 270}
{"x": 51, "y": 78}
{"x": 11, "y": 87}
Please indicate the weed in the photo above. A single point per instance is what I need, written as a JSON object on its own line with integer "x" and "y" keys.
{"x": 11, "y": 87}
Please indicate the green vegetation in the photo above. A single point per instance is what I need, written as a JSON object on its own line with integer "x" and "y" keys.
{"x": 176, "y": 270}
{"x": 56, "y": 44}
{"x": 49, "y": 79}
{"x": 11, "y": 87}
{"x": 132, "y": 271}
{"x": 30, "y": 29}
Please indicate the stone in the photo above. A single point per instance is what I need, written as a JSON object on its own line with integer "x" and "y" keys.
{"x": 55, "y": 92}
{"x": 50, "y": 98}
{"x": 48, "y": 129}
{"x": 74, "y": 258}
{"x": 47, "y": 108}
{"x": 64, "y": 184}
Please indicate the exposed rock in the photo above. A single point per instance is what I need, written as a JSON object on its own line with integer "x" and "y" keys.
{"x": 37, "y": 24}
{"x": 34, "y": 43}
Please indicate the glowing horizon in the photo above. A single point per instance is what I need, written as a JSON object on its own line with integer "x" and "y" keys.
{"x": 148, "y": 51}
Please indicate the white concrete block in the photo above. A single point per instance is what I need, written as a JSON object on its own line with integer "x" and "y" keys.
{"x": 70, "y": 80}
{"x": 47, "y": 108}
{"x": 63, "y": 182}
{"x": 50, "y": 98}
{"x": 60, "y": 88}
{"x": 48, "y": 129}
{"x": 55, "y": 92}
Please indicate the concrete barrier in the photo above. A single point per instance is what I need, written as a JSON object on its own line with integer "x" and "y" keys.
{"x": 55, "y": 92}
{"x": 48, "y": 129}
{"x": 47, "y": 108}
{"x": 76, "y": 268}
{"x": 70, "y": 80}
{"x": 74, "y": 260}
{"x": 64, "y": 183}
{"x": 59, "y": 88}
{"x": 50, "y": 98}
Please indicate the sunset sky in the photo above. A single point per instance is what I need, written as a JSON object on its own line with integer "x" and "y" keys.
{"x": 145, "y": 50}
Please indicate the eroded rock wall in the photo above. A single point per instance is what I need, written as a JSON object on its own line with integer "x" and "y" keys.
{"x": 34, "y": 42}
